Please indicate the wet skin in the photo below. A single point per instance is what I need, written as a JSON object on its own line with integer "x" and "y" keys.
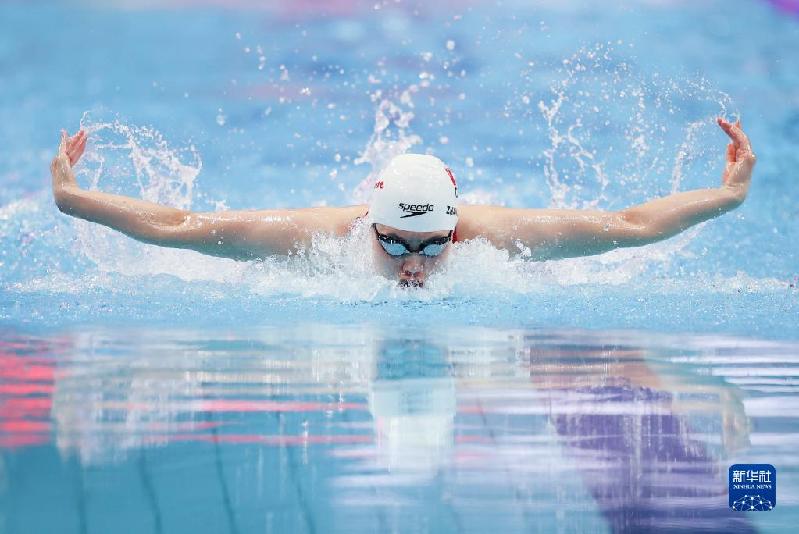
{"x": 411, "y": 269}
{"x": 534, "y": 234}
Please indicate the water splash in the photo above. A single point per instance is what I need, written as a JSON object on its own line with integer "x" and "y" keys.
{"x": 119, "y": 152}
{"x": 137, "y": 161}
{"x": 390, "y": 137}
{"x": 612, "y": 135}
{"x": 586, "y": 146}
{"x": 612, "y": 130}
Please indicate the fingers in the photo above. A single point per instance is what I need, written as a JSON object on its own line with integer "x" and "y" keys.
{"x": 83, "y": 138}
{"x": 66, "y": 141}
{"x": 739, "y": 138}
{"x": 77, "y": 150}
{"x": 72, "y": 147}
{"x": 75, "y": 146}
{"x": 78, "y": 139}
{"x": 727, "y": 127}
{"x": 62, "y": 146}
{"x": 739, "y": 151}
{"x": 75, "y": 139}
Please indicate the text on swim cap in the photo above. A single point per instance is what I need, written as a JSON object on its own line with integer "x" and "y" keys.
{"x": 412, "y": 210}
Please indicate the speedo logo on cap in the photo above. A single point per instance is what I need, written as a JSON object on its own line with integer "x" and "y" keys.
{"x": 412, "y": 210}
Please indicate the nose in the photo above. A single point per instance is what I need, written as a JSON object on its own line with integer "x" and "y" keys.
{"x": 412, "y": 270}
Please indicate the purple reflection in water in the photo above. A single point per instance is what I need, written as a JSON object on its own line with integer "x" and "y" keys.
{"x": 655, "y": 476}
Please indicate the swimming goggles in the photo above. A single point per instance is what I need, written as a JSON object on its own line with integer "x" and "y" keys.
{"x": 394, "y": 246}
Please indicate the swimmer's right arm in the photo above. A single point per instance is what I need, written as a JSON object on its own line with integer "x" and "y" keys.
{"x": 241, "y": 235}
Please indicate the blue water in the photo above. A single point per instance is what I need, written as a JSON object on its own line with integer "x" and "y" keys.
{"x": 144, "y": 389}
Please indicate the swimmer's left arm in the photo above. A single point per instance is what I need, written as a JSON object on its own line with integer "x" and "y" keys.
{"x": 555, "y": 233}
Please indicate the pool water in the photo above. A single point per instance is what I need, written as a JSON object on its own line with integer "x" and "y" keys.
{"x": 321, "y": 428}
{"x": 152, "y": 390}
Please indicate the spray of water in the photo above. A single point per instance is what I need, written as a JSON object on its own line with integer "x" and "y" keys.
{"x": 139, "y": 162}
{"x": 612, "y": 135}
{"x": 612, "y": 132}
{"x": 590, "y": 159}
{"x": 390, "y": 137}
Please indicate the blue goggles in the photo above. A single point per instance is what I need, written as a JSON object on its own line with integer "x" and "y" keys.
{"x": 396, "y": 247}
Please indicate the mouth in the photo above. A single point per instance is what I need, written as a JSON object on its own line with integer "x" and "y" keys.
{"x": 411, "y": 283}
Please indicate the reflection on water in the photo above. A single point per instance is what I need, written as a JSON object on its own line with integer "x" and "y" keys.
{"x": 322, "y": 428}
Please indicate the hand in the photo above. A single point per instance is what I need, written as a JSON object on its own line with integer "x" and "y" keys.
{"x": 72, "y": 146}
{"x": 69, "y": 152}
{"x": 740, "y": 159}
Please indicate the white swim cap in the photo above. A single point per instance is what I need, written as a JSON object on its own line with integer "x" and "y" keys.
{"x": 415, "y": 193}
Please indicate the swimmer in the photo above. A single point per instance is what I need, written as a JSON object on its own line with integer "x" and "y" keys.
{"x": 413, "y": 214}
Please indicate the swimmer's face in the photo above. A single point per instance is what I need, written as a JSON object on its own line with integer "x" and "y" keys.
{"x": 411, "y": 269}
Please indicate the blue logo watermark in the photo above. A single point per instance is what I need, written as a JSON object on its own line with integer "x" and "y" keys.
{"x": 753, "y": 487}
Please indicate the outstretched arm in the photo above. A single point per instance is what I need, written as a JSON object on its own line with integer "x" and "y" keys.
{"x": 240, "y": 235}
{"x": 556, "y": 233}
